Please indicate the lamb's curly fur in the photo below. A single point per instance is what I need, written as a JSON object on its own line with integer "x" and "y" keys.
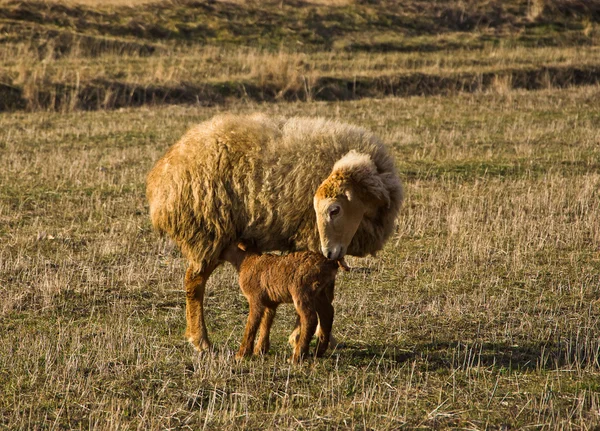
{"x": 253, "y": 178}
{"x": 305, "y": 279}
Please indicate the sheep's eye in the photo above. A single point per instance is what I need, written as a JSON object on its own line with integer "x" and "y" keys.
{"x": 334, "y": 211}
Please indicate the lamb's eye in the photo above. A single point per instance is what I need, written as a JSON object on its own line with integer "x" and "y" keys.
{"x": 334, "y": 211}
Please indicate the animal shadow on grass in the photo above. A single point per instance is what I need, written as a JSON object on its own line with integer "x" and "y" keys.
{"x": 362, "y": 269}
{"x": 456, "y": 354}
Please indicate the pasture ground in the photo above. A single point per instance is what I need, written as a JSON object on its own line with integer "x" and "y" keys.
{"x": 482, "y": 312}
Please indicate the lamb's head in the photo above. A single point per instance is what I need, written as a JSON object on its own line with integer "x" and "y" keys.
{"x": 352, "y": 191}
{"x": 236, "y": 253}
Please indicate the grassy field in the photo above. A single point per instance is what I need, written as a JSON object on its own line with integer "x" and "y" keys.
{"x": 71, "y": 55}
{"x": 483, "y": 310}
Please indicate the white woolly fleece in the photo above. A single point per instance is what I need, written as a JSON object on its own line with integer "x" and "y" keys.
{"x": 354, "y": 159}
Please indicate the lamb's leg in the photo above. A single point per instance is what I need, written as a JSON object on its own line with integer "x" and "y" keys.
{"x": 254, "y": 318}
{"x": 293, "y": 339}
{"x": 195, "y": 283}
{"x": 326, "y": 296}
{"x": 262, "y": 344}
{"x": 325, "y": 312}
{"x": 308, "y": 324}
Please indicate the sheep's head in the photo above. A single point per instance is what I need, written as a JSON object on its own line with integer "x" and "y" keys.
{"x": 353, "y": 190}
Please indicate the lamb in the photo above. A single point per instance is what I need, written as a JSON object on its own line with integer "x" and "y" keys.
{"x": 305, "y": 279}
{"x": 281, "y": 184}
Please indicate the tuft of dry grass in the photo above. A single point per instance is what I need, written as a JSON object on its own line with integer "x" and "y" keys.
{"x": 535, "y": 9}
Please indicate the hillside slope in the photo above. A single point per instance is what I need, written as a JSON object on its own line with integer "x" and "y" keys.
{"x": 66, "y": 56}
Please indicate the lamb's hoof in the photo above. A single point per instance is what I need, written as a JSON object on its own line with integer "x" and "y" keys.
{"x": 295, "y": 360}
{"x": 333, "y": 342}
{"x": 240, "y": 356}
{"x": 261, "y": 350}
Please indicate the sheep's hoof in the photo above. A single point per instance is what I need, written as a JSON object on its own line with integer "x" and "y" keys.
{"x": 321, "y": 349}
{"x": 240, "y": 357}
{"x": 243, "y": 353}
{"x": 333, "y": 342}
{"x": 201, "y": 345}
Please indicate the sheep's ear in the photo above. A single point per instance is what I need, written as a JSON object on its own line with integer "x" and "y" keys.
{"x": 242, "y": 246}
{"x": 372, "y": 190}
{"x": 362, "y": 178}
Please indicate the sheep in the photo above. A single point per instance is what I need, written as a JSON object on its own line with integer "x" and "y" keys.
{"x": 282, "y": 184}
{"x": 306, "y": 279}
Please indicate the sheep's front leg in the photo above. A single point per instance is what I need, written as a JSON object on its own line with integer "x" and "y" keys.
{"x": 254, "y": 318}
{"x": 195, "y": 282}
{"x": 325, "y": 311}
{"x": 308, "y": 325}
{"x": 262, "y": 344}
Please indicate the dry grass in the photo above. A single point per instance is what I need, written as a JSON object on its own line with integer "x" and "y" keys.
{"x": 482, "y": 312}
{"x": 68, "y": 57}
{"x": 98, "y": 3}
{"x": 214, "y": 64}
{"x": 212, "y": 74}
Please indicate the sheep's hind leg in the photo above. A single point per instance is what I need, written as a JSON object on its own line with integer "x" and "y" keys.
{"x": 195, "y": 283}
{"x": 254, "y": 318}
{"x": 262, "y": 344}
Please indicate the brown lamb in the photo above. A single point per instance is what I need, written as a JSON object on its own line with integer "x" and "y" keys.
{"x": 305, "y": 279}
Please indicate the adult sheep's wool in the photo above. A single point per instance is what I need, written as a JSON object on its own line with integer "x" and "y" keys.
{"x": 253, "y": 178}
